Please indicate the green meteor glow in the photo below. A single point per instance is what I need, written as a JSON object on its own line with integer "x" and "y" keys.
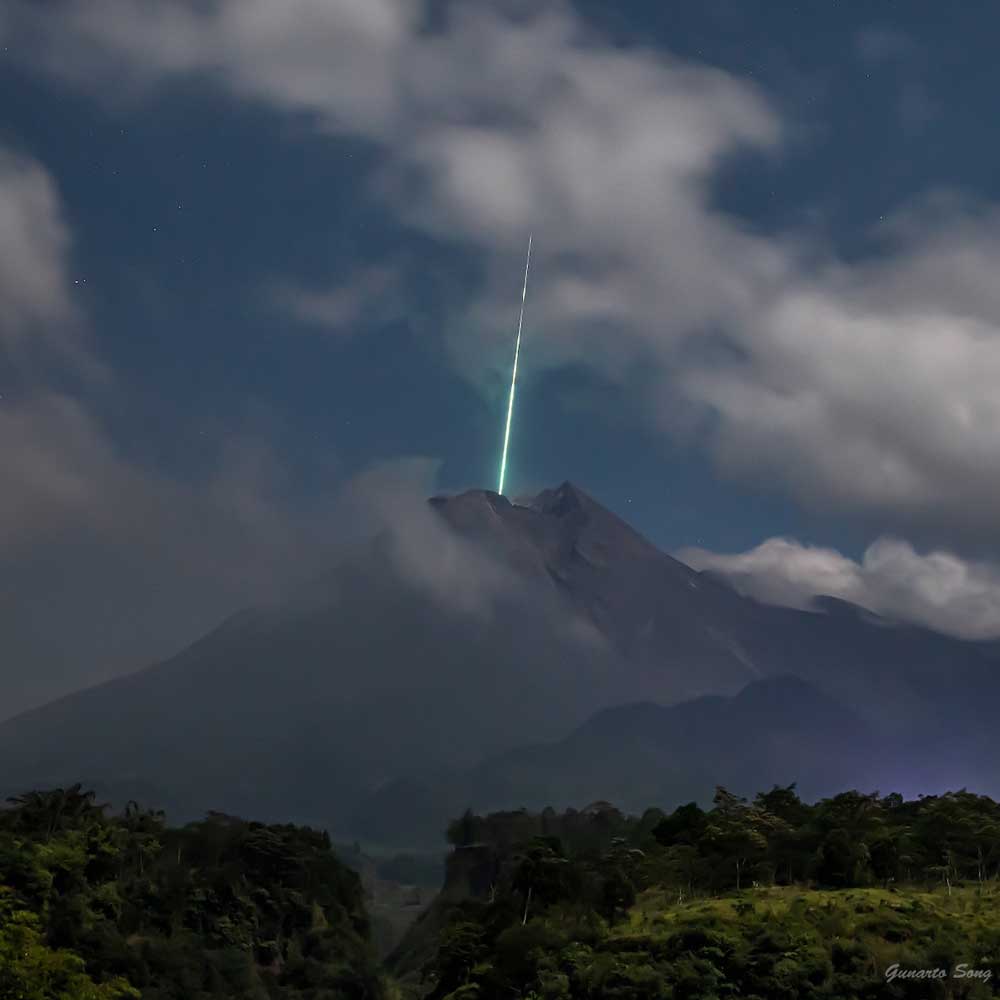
{"x": 513, "y": 378}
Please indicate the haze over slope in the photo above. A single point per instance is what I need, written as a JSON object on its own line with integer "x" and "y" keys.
{"x": 472, "y": 628}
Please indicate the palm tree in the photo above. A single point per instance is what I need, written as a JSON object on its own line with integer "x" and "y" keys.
{"x": 52, "y": 810}
{"x": 143, "y": 827}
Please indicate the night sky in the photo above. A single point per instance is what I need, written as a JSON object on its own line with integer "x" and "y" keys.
{"x": 251, "y": 251}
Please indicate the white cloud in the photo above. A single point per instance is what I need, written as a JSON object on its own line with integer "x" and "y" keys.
{"x": 873, "y": 387}
{"x": 938, "y": 589}
{"x": 390, "y": 498}
{"x": 334, "y": 61}
{"x": 39, "y": 319}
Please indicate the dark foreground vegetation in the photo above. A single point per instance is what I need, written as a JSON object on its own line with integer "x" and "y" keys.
{"x": 856, "y": 896}
{"x": 95, "y": 907}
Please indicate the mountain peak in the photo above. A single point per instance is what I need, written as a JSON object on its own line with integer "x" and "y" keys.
{"x": 470, "y": 499}
{"x": 558, "y": 502}
{"x": 558, "y": 520}
{"x": 563, "y": 500}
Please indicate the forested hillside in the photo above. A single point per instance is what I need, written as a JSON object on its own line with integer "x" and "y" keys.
{"x": 855, "y": 896}
{"x": 770, "y": 898}
{"x": 97, "y": 907}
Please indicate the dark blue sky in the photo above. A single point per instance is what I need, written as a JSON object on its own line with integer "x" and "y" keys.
{"x": 192, "y": 201}
{"x": 185, "y": 208}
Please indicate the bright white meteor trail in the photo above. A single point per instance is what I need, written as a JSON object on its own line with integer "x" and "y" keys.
{"x": 513, "y": 378}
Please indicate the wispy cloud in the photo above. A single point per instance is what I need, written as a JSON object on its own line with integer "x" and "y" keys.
{"x": 370, "y": 295}
{"x": 879, "y": 44}
{"x": 40, "y": 323}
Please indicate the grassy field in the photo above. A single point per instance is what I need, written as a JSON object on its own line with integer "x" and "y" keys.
{"x": 836, "y": 912}
{"x": 821, "y": 942}
{"x": 775, "y": 943}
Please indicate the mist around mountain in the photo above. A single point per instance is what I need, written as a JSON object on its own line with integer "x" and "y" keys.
{"x": 474, "y": 651}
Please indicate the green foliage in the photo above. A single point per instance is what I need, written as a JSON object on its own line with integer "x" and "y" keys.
{"x": 30, "y": 970}
{"x": 786, "y": 943}
{"x": 94, "y": 907}
{"x": 771, "y": 898}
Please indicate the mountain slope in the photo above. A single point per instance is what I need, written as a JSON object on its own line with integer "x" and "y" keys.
{"x": 775, "y": 731}
{"x": 656, "y": 613}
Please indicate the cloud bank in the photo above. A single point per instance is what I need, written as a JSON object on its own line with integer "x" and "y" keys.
{"x": 936, "y": 589}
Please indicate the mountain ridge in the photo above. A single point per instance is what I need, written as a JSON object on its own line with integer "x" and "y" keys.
{"x": 474, "y": 626}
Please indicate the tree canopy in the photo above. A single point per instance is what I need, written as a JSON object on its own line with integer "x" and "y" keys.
{"x": 97, "y": 907}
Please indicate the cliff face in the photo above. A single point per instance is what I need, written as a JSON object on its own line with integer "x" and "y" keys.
{"x": 486, "y": 858}
{"x": 470, "y": 872}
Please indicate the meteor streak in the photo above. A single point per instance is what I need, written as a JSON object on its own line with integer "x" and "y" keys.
{"x": 513, "y": 378}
